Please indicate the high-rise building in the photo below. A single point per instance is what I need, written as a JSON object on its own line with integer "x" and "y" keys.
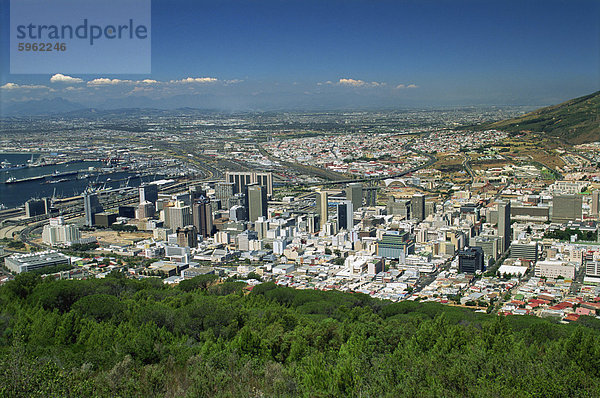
{"x": 395, "y": 245}
{"x": 242, "y": 179}
{"x": 504, "y": 224}
{"x": 59, "y": 233}
{"x": 145, "y": 210}
{"x": 596, "y": 203}
{"x": 417, "y": 204}
{"x": 187, "y": 236}
{"x": 257, "y": 202}
{"x": 398, "y": 207}
{"x": 196, "y": 192}
{"x": 261, "y": 226}
{"x": 178, "y": 216}
{"x": 237, "y": 213}
{"x": 149, "y": 193}
{"x": 202, "y": 217}
{"x": 370, "y": 195}
{"x": 524, "y": 250}
{"x": 322, "y": 203}
{"x": 127, "y": 211}
{"x": 243, "y": 239}
{"x": 312, "y": 223}
{"x": 224, "y": 191}
{"x": 91, "y": 206}
{"x": 345, "y": 215}
{"x": 354, "y": 193}
{"x": 566, "y": 208}
{"x": 36, "y": 207}
{"x": 470, "y": 260}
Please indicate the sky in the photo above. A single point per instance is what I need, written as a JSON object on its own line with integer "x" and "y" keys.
{"x": 288, "y": 54}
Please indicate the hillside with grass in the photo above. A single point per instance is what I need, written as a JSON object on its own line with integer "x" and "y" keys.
{"x": 576, "y": 121}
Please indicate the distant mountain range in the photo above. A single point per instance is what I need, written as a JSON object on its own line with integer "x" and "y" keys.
{"x": 40, "y": 107}
{"x": 575, "y": 121}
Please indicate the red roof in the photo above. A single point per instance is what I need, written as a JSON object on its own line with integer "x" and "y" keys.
{"x": 562, "y": 306}
{"x": 572, "y": 317}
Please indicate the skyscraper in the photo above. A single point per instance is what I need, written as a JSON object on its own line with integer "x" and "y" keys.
{"x": 242, "y": 179}
{"x": 322, "y": 203}
{"x": 345, "y": 213}
{"x": 149, "y": 193}
{"x": 504, "y": 224}
{"x": 417, "y": 204}
{"x": 224, "y": 191}
{"x": 566, "y": 208}
{"x": 187, "y": 236}
{"x": 354, "y": 193}
{"x": 596, "y": 203}
{"x": 178, "y": 216}
{"x": 202, "y": 216}
{"x": 470, "y": 259}
{"x": 257, "y": 202}
{"x": 370, "y": 195}
{"x": 91, "y": 206}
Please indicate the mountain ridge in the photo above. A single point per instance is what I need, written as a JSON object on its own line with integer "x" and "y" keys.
{"x": 575, "y": 121}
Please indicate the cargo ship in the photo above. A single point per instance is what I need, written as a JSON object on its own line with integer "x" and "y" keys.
{"x": 64, "y": 173}
{"x": 13, "y": 180}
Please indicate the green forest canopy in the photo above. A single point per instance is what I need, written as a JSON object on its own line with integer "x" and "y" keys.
{"x": 120, "y": 337}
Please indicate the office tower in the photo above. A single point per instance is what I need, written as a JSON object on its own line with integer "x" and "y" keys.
{"x": 91, "y": 206}
{"x": 395, "y": 245}
{"x": 243, "y": 239}
{"x": 196, "y": 192}
{"x": 470, "y": 260}
{"x": 417, "y": 204}
{"x": 242, "y": 179}
{"x": 224, "y": 191}
{"x": 398, "y": 207}
{"x": 504, "y": 224}
{"x": 59, "y": 233}
{"x": 145, "y": 210}
{"x": 149, "y": 193}
{"x": 202, "y": 217}
{"x": 127, "y": 211}
{"x": 596, "y": 203}
{"x": 322, "y": 207}
{"x": 257, "y": 202}
{"x": 187, "y": 236}
{"x": 566, "y": 208}
{"x": 345, "y": 215}
{"x": 524, "y": 250}
{"x": 312, "y": 223}
{"x": 37, "y": 207}
{"x": 354, "y": 193}
{"x": 370, "y": 195}
{"x": 237, "y": 213}
{"x": 178, "y": 216}
{"x": 261, "y": 226}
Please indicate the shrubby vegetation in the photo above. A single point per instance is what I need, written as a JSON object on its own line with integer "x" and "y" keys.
{"x": 120, "y": 337}
{"x": 589, "y": 236}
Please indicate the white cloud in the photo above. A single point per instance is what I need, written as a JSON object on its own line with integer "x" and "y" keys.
{"x": 196, "y": 80}
{"x": 104, "y": 81}
{"x": 60, "y": 78}
{"x": 15, "y": 86}
{"x": 403, "y": 86}
{"x": 357, "y": 83}
{"x": 147, "y": 81}
{"x": 351, "y": 82}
